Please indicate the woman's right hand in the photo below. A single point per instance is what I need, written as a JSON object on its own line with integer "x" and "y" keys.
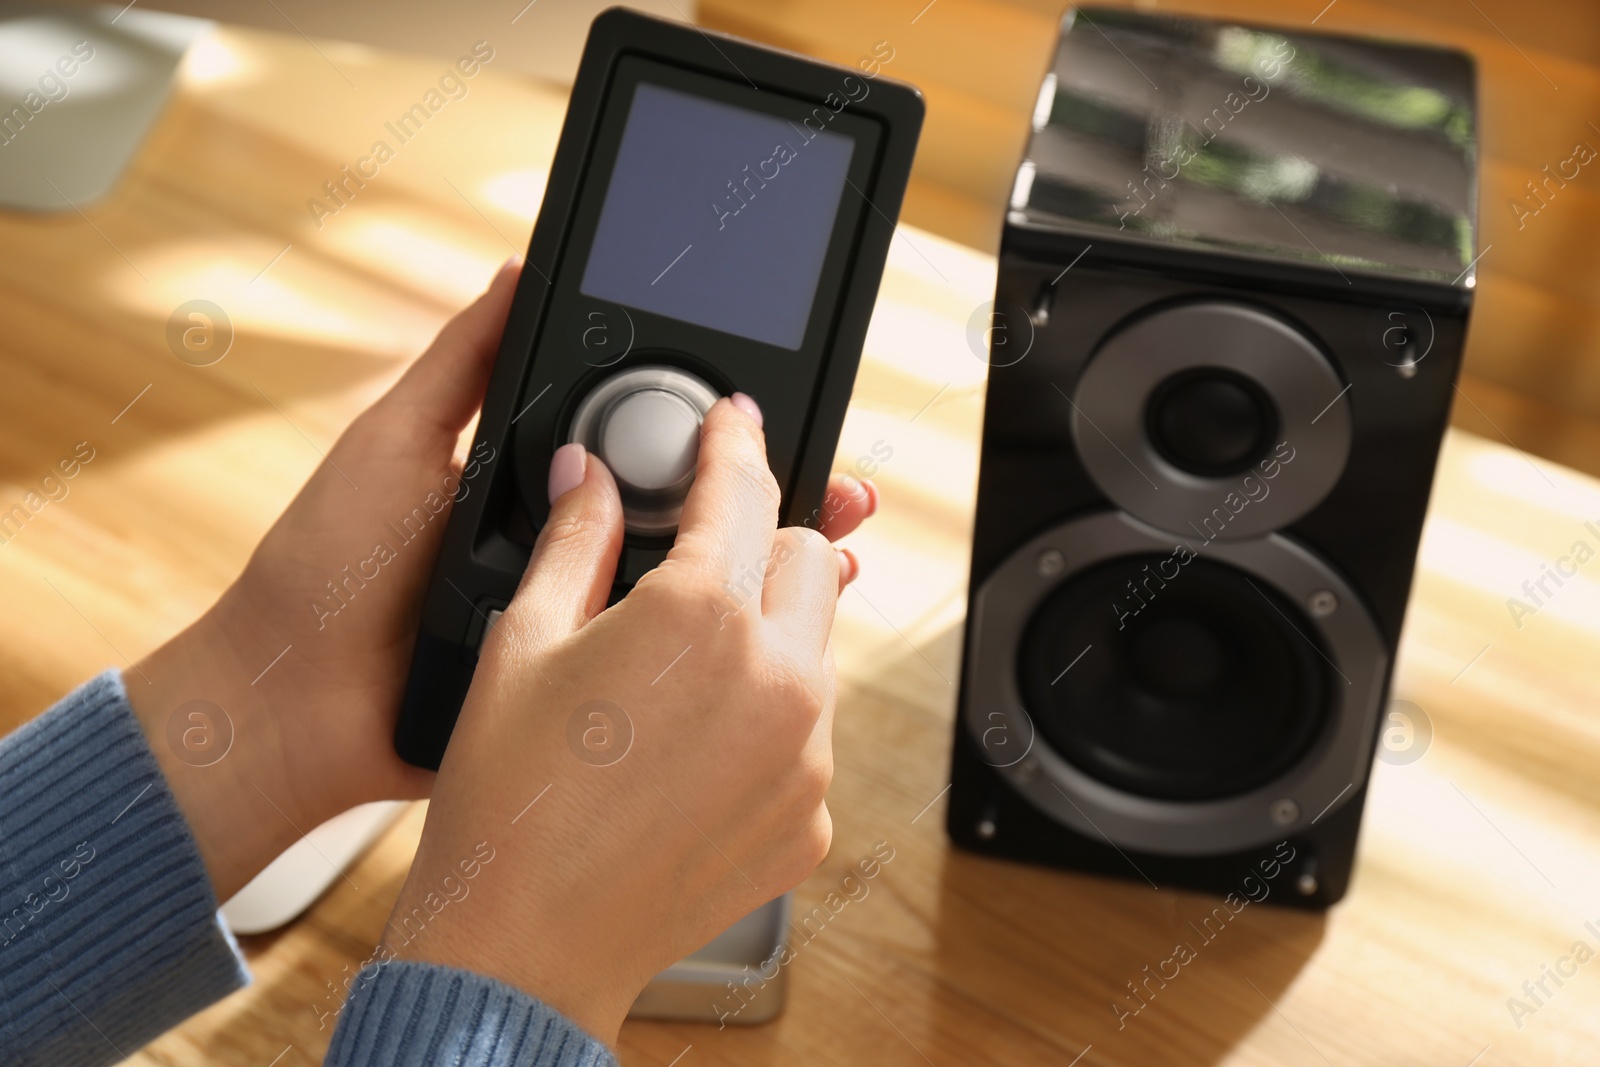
{"x": 678, "y": 743}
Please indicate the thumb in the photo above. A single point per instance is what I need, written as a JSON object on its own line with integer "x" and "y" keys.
{"x": 575, "y": 559}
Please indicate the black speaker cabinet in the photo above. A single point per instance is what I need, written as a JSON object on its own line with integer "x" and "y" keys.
{"x": 1234, "y": 285}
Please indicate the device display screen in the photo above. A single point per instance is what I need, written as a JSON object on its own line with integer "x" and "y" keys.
{"x": 718, "y": 215}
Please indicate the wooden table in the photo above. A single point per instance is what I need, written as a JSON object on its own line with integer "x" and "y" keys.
{"x": 1479, "y": 865}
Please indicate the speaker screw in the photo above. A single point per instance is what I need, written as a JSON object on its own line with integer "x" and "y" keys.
{"x": 1051, "y": 562}
{"x": 1285, "y": 811}
{"x": 986, "y": 829}
{"x": 1306, "y": 884}
{"x": 1323, "y": 603}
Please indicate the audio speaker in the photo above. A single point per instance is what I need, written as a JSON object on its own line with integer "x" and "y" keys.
{"x": 1234, "y": 285}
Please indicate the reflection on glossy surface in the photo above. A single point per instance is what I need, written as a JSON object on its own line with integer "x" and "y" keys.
{"x": 1355, "y": 154}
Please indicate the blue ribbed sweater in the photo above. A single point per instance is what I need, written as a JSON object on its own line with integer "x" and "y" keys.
{"x": 109, "y": 932}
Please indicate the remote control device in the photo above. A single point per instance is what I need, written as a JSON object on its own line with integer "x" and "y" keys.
{"x": 716, "y": 220}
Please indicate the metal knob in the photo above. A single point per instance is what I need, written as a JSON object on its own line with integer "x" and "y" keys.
{"x": 645, "y": 424}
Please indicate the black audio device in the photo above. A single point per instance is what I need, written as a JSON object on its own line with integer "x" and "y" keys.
{"x": 1235, "y": 279}
{"x": 716, "y": 220}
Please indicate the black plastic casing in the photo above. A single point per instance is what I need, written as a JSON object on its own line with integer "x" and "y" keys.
{"x": 1031, "y": 479}
{"x": 501, "y": 506}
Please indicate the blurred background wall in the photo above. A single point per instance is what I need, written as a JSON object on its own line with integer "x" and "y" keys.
{"x": 1533, "y": 358}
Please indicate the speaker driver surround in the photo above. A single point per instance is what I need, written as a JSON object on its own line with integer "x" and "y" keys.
{"x": 1099, "y": 775}
{"x": 1172, "y": 409}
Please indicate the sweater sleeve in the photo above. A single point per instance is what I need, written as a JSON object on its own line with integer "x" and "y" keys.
{"x": 109, "y": 932}
{"x": 403, "y": 1013}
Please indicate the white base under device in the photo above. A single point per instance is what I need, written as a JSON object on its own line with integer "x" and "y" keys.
{"x": 734, "y": 979}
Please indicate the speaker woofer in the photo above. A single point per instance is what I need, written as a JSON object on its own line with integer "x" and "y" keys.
{"x": 1194, "y": 687}
{"x": 1089, "y": 721}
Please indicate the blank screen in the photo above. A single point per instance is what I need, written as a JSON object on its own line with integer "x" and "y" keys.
{"x": 718, "y": 216}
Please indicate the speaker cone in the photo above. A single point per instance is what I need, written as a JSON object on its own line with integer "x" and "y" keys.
{"x": 1195, "y": 686}
{"x": 1211, "y": 421}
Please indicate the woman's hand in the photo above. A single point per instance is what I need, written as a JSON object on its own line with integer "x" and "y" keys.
{"x": 714, "y": 680}
{"x": 306, "y": 654}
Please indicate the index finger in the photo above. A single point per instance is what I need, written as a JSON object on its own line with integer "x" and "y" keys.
{"x": 731, "y": 512}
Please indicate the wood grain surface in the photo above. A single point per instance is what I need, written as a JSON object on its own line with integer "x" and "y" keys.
{"x": 1479, "y": 863}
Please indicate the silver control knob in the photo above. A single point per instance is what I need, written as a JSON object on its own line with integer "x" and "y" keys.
{"x": 645, "y": 424}
{"x": 649, "y": 439}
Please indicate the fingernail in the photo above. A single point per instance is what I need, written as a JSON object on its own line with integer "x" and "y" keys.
{"x": 849, "y": 566}
{"x": 872, "y": 497}
{"x": 512, "y": 261}
{"x": 566, "y": 470}
{"x": 747, "y": 404}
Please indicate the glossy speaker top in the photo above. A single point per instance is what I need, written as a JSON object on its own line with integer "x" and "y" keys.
{"x": 1355, "y": 156}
